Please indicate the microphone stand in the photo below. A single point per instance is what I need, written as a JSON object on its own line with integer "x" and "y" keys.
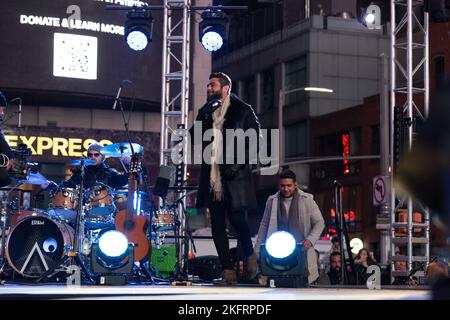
{"x": 189, "y": 235}
{"x": 144, "y": 269}
{"x": 79, "y": 229}
{"x": 125, "y": 123}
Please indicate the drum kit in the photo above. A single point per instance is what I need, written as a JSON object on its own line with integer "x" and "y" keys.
{"x": 36, "y": 241}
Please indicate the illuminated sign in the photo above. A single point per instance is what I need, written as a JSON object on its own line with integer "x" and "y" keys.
{"x": 66, "y": 147}
{"x": 346, "y": 151}
{"x": 128, "y": 3}
{"x": 57, "y": 22}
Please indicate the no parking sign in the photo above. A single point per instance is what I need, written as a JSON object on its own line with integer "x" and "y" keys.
{"x": 380, "y": 190}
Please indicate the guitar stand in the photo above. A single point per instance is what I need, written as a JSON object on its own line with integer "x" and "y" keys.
{"x": 76, "y": 260}
{"x": 141, "y": 270}
{"x": 181, "y": 274}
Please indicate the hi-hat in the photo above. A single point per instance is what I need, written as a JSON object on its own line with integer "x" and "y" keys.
{"x": 35, "y": 178}
{"x": 86, "y": 162}
{"x": 121, "y": 149}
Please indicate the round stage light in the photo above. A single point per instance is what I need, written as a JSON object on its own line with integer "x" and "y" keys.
{"x": 113, "y": 243}
{"x": 138, "y": 28}
{"x": 212, "y": 41}
{"x": 369, "y": 18}
{"x": 137, "y": 40}
{"x": 280, "y": 244}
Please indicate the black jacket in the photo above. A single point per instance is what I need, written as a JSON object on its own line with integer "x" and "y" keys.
{"x": 101, "y": 173}
{"x": 4, "y": 147}
{"x": 236, "y": 178}
{"x": 6, "y": 150}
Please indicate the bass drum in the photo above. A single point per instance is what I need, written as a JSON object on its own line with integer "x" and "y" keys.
{"x": 37, "y": 245}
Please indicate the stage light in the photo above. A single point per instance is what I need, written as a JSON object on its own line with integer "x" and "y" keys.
{"x": 112, "y": 258}
{"x": 280, "y": 244}
{"x": 369, "y": 18}
{"x": 372, "y": 17}
{"x": 213, "y": 29}
{"x": 138, "y": 28}
{"x": 137, "y": 40}
{"x": 283, "y": 261}
{"x": 113, "y": 243}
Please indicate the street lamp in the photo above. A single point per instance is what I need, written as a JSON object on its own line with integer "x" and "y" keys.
{"x": 280, "y": 114}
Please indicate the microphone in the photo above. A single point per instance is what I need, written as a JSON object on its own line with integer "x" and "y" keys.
{"x": 212, "y": 106}
{"x": 216, "y": 103}
{"x": 117, "y": 97}
{"x": 119, "y": 91}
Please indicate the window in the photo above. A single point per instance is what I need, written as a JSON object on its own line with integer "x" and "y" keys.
{"x": 260, "y": 20}
{"x": 249, "y": 91}
{"x": 295, "y": 77}
{"x": 296, "y": 140}
{"x": 267, "y": 88}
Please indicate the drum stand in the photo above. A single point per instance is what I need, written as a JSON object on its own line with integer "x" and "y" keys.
{"x": 182, "y": 274}
{"x": 3, "y": 219}
{"x": 79, "y": 231}
{"x": 74, "y": 254}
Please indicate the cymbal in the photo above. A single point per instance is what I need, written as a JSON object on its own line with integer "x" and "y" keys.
{"x": 87, "y": 162}
{"x": 121, "y": 149}
{"x": 35, "y": 178}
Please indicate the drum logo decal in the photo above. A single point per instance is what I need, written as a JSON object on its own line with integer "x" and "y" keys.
{"x": 37, "y": 222}
{"x": 41, "y": 256}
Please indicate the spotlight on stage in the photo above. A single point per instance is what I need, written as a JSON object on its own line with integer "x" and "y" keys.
{"x": 112, "y": 258}
{"x": 213, "y": 29}
{"x": 138, "y": 28}
{"x": 283, "y": 261}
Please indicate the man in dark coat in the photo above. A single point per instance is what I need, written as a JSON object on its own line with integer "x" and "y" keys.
{"x": 226, "y": 185}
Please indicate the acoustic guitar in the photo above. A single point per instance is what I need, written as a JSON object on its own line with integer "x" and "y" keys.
{"x": 129, "y": 222}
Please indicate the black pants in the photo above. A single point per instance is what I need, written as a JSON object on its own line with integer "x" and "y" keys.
{"x": 218, "y": 210}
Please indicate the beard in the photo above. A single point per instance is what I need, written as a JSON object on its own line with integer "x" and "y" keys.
{"x": 213, "y": 96}
{"x": 286, "y": 195}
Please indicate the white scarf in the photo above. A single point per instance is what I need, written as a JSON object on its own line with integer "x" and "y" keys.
{"x": 217, "y": 146}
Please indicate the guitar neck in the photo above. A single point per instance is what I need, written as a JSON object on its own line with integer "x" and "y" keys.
{"x": 132, "y": 187}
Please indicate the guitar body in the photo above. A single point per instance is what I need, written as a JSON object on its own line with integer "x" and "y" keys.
{"x": 134, "y": 230}
{"x": 129, "y": 222}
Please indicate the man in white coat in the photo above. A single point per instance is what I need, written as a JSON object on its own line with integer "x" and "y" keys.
{"x": 296, "y": 212}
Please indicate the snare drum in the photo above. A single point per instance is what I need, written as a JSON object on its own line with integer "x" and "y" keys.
{"x": 37, "y": 244}
{"x": 64, "y": 205}
{"x": 98, "y": 222}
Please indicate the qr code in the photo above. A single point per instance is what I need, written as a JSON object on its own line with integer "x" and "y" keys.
{"x": 75, "y": 56}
